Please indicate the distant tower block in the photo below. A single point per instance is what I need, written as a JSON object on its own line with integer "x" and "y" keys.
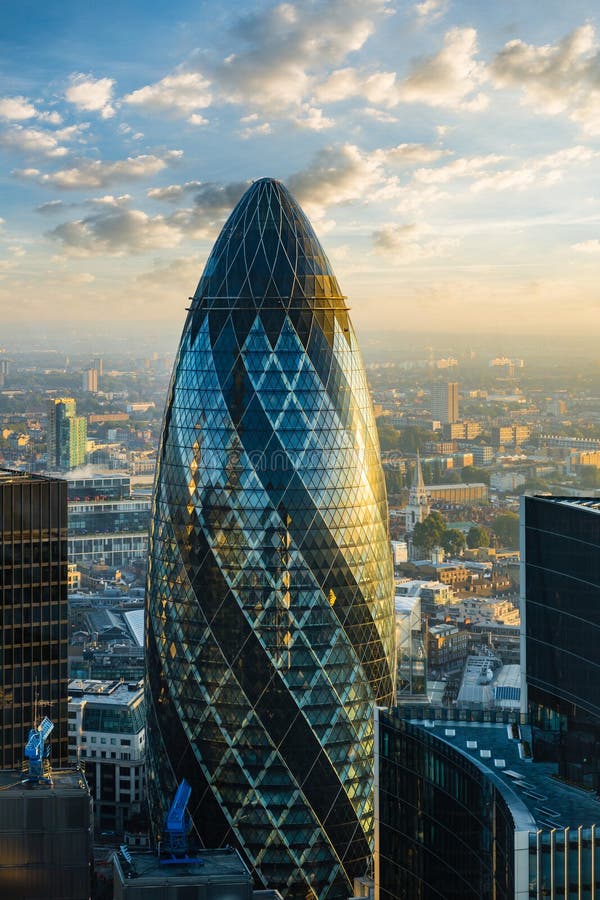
{"x": 90, "y": 381}
{"x": 444, "y": 401}
{"x": 98, "y": 365}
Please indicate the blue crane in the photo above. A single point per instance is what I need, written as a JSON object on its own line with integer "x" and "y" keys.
{"x": 37, "y": 750}
{"x": 177, "y": 827}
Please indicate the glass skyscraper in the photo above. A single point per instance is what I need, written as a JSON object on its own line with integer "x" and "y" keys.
{"x": 270, "y": 626}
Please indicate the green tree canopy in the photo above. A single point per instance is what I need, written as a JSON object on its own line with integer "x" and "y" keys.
{"x": 475, "y": 474}
{"x": 389, "y": 437}
{"x": 453, "y": 541}
{"x": 506, "y": 529}
{"x": 478, "y": 536}
{"x": 428, "y": 533}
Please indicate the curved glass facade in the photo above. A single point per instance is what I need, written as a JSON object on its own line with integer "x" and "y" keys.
{"x": 445, "y": 832}
{"x": 270, "y": 628}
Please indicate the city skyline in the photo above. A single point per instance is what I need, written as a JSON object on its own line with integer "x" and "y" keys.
{"x": 446, "y": 152}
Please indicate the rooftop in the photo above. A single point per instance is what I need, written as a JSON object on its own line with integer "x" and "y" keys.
{"x": 64, "y": 781}
{"x": 535, "y": 795}
{"x": 112, "y": 693}
{"x": 591, "y": 503}
{"x": 14, "y": 476}
{"x": 213, "y": 865}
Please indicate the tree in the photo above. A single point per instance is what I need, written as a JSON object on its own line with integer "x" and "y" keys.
{"x": 589, "y": 476}
{"x": 389, "y": 437}
{"x": 478, "y": 536}
{"x": 453, "y": 541}
{"x": 475, "y": 474}
{"x": 506, "y": 529}
{"x": 414, "y": 438}
{"x": 394, "y": 479}
{"x": 428, "y": 533}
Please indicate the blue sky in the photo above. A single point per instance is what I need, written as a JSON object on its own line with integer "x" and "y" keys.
{"x": 446, "y": 152}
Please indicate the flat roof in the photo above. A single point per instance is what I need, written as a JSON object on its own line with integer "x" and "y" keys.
{"x": 224, "y": 863}
{"x": 591, "y": 503}
{"x": 63, "y": 781}
{"x": 16, "y": 476}
{"x": 531, "y": 789}
{"x": 111, "y": 693}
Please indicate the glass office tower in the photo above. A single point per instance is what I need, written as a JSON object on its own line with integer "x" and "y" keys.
{"x": 34, "y": 640}
{"x": 561, "y": 619}
{"x": 270, "y": 626}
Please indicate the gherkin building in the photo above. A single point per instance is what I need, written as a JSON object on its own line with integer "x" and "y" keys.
{"x": 269, "y": 619}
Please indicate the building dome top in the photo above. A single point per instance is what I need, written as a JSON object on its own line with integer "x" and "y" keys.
{"x": 267, "y": 253}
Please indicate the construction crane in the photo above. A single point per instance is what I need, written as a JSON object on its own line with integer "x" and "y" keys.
{"x": 177, "y": 827}
{"x": 37, "y": 750}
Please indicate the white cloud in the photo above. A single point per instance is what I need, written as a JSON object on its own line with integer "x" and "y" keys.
{"x": 403, "y": 244}
{"x": 465, "y": 167}
{"x": 109, "y": 201}
{"x": 255, "y": 131}
{"x": 182, "y": 93}
{"x": 52, "y": 117}
{"x": 592, "y": 248}
{"x": 410, "y": 154}
{"x": 173, "y": 193}
{"x": 52, "y": 206}
{"x": 16, "y": 108}
{"x": 378, "y": 87}
{"x": 287, "y": 45}
{"x": 337, "y": 174}
{"x": 91, "y": 94}
{"x": 555, "y": 78}
{"x": 312, "y": 117}
{"x": 98, "y": 174}
{"x": 116, "y": 232}
{"x": 431, "y": 10}
{"x": 37, "y": 142}
{"x": 451, "y": 78}
{"x": 544, "y": 170}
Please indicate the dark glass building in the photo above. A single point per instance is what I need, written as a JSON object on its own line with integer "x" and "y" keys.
{"x": 561, "y": 641}
{"x": 463, "y": 813}
{"x": 33, "y": 612}
{"x": 270, "y": 628}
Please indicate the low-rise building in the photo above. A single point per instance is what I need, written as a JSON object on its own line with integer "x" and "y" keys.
{"x": 107, "y": 735}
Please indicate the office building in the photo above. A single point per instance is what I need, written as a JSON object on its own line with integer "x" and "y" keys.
{"x": 46, "y": 833}
{"x": 98, "y": 365}
{"x": 464, "y": 813}
{"x": 67, "y": 435}
{"x": 100, "y": 486}
{"x": 444, "y": 401}
{"x": 107, "y": 736}
{"x": 269, "y": 626}
{"x": 560, "y": 618}
{"x": 410, "y": 645}
{"x": 33, "y": 611}
{"x": 497, "y": 802}
{"x": 113, "y": 530}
